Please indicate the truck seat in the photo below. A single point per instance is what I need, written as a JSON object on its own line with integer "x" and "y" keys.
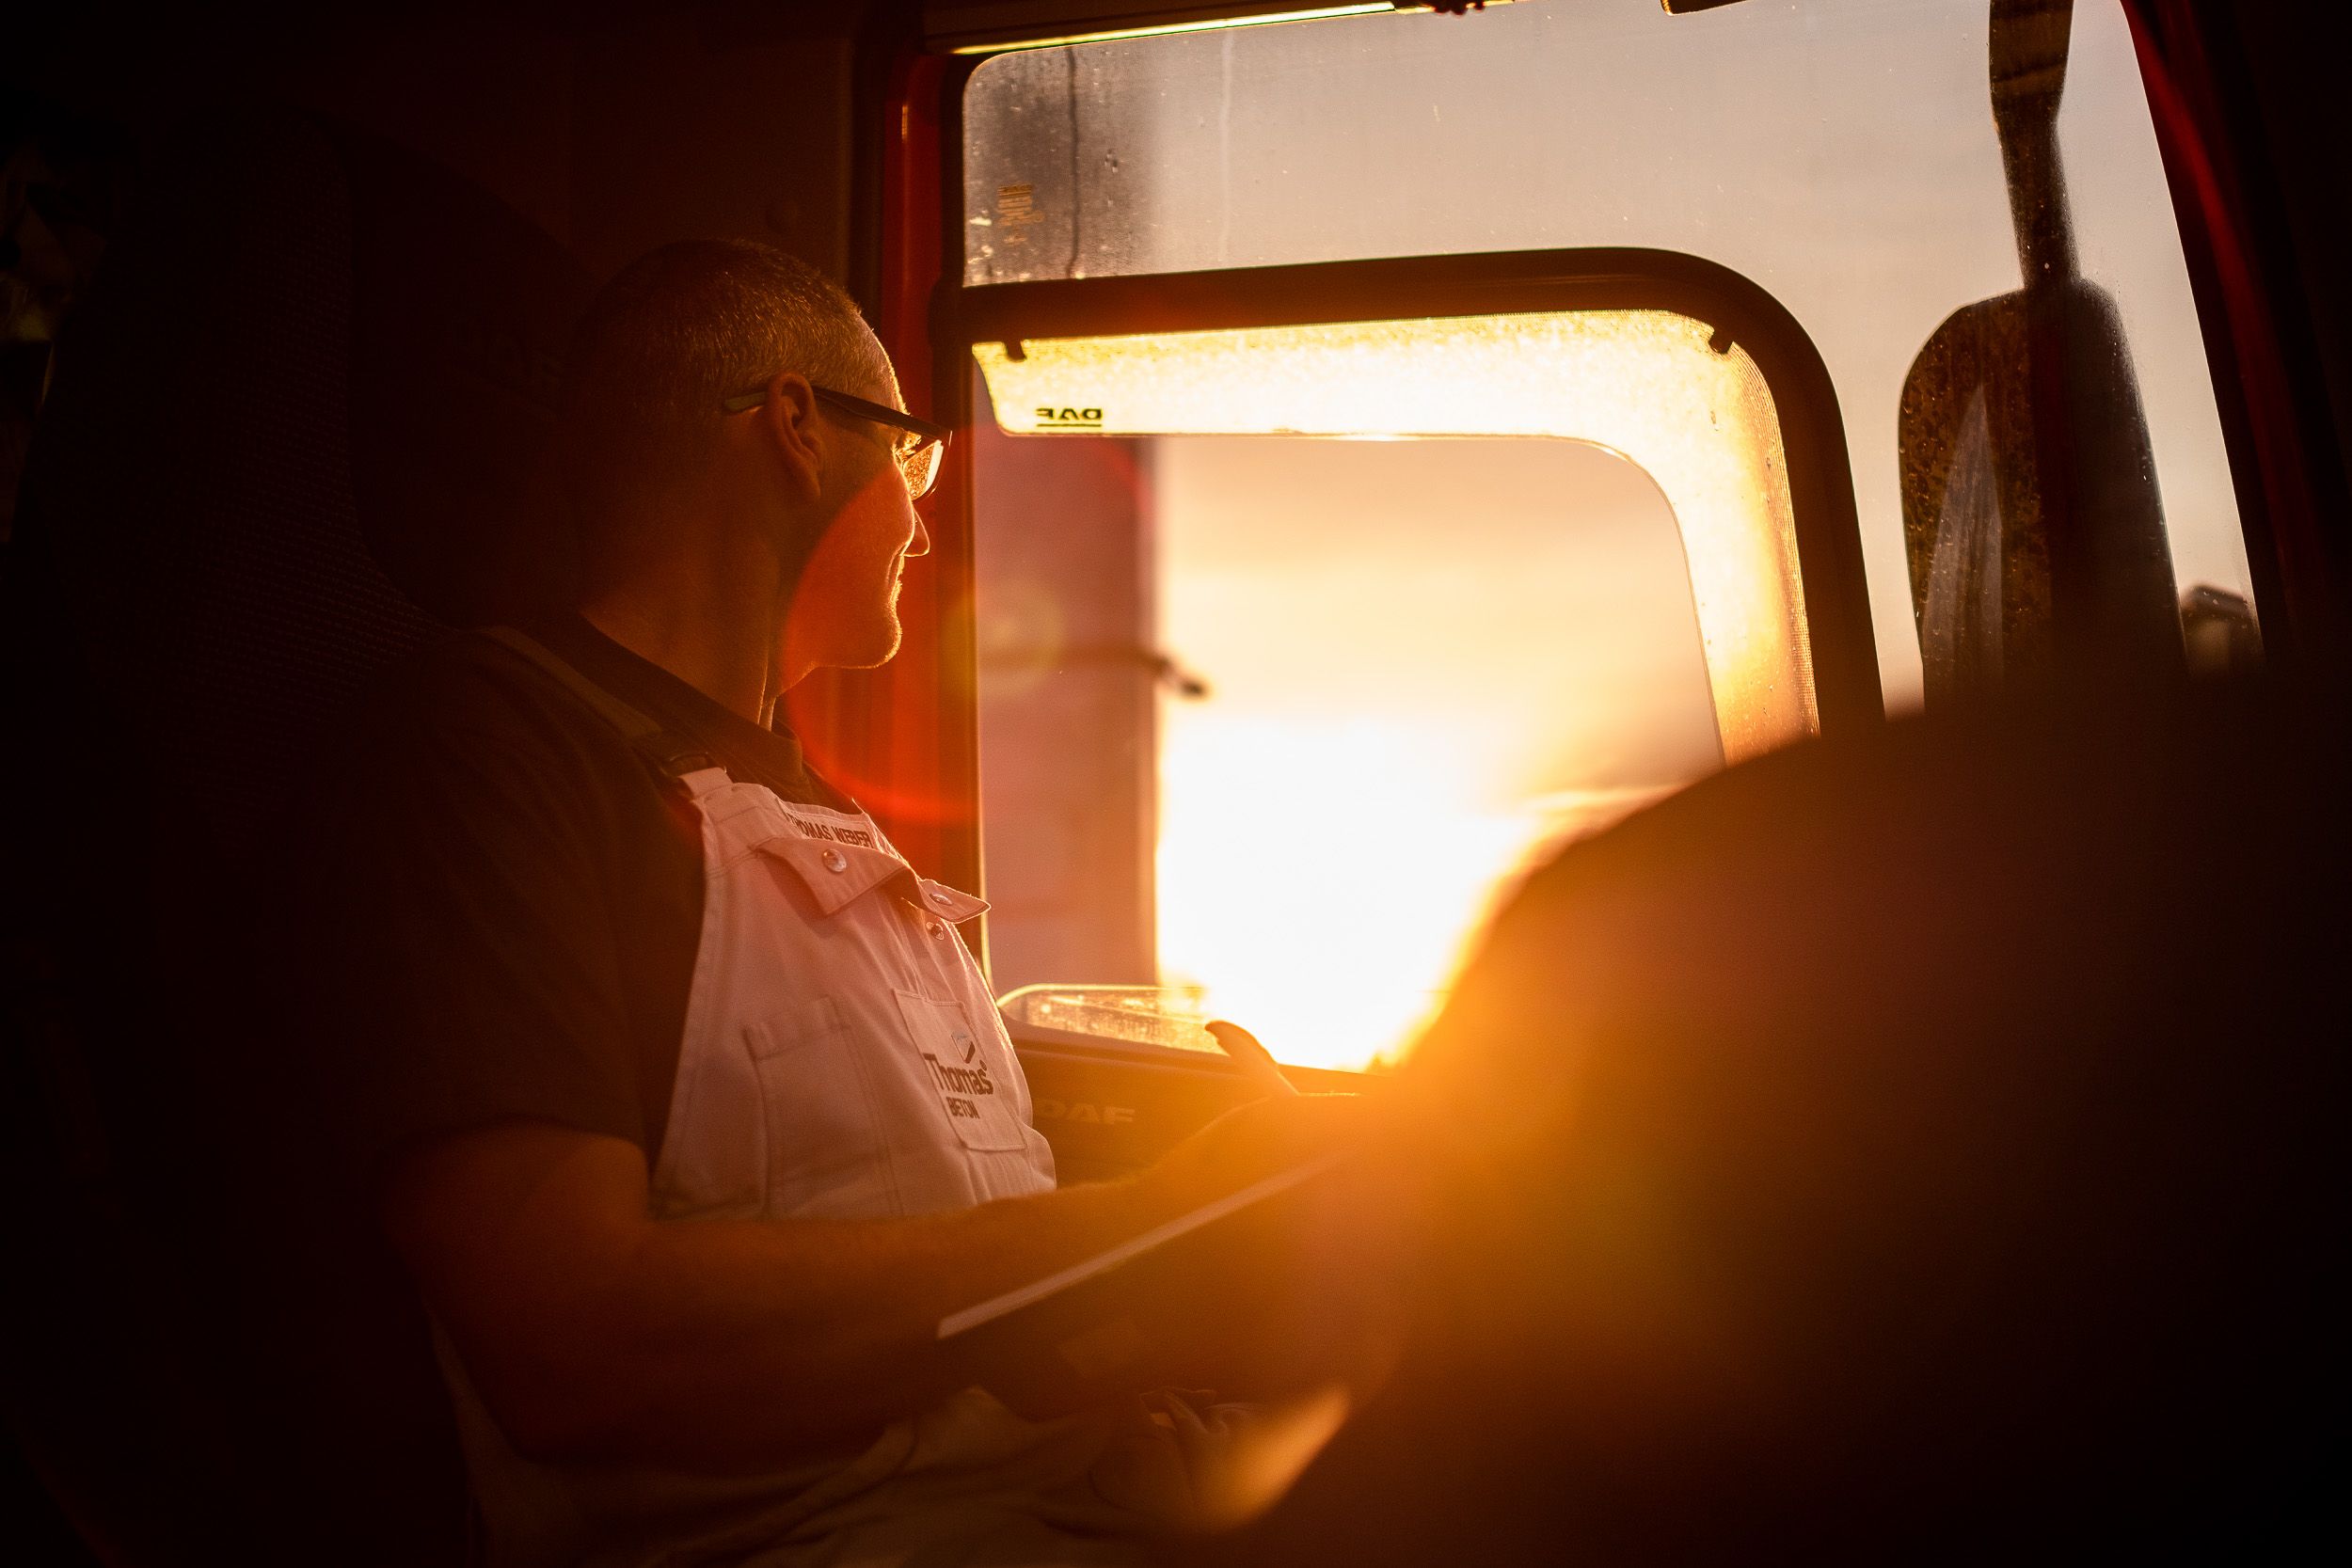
{"x": 296, "y": 426}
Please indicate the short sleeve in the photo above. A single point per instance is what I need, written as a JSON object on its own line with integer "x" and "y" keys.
{"x": 455, "y": 921}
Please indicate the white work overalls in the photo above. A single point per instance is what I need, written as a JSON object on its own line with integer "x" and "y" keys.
{"x": 842, "y": 1059}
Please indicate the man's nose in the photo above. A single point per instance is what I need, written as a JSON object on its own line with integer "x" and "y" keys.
{"x": 921, "y": 542}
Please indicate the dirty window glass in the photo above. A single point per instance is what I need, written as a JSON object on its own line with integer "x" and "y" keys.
{"x": 1842, "y": 154}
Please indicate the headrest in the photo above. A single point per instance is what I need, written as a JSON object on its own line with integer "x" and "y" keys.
{"x": 461, "y": 308}
{"x": 297, "y": 421}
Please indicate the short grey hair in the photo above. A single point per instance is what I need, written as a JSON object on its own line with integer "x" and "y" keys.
{"x": 677, "y": 332}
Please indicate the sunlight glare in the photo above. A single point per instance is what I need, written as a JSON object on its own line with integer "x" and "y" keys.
{"x": 1319, "y": 879}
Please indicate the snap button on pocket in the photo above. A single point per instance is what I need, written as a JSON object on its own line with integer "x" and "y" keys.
{"x": 941, "y": 898}
{"x": 938, "y": 932}
{"x": 835, "y": 860}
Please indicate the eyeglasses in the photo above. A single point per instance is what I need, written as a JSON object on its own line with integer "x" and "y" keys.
{"x": 918, "y": 450}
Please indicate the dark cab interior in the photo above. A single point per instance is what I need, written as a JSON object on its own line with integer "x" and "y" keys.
{"x": 289, "y": 291}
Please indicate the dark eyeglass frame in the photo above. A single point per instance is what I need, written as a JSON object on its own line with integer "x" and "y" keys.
{"x": 919, "y": 463}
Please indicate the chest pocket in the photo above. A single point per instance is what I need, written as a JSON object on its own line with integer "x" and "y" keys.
{"x": 966, "y": 1072}
{"x": 825, "y": 1155}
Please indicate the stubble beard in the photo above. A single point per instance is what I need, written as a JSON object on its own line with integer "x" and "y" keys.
{"x": 881, "y": 642}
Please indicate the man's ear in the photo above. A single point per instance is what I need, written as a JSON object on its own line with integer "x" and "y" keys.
{"x": 787, "y": 424}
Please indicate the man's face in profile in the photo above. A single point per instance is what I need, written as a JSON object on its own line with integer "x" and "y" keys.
{"x": 845, "y": 609}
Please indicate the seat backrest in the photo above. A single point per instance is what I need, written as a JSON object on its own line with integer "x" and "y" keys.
{"x": 1895, "y": 1149}
{"x": 298, "y": 425}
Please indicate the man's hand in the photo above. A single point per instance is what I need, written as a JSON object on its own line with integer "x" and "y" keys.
{"x": 1252, "y": 1142}
{"x": 1305, "y": 1288}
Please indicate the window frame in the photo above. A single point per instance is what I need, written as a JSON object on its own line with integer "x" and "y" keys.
{"x": 903, "y": 726}
{"x": 1844, "y": 652}
{"x": 907, "y": 267}
{"x": 2263, "y": 343}
{"x": 1846, "y": 691}
{"x": 1820, "y": 478}
{"x": 914, "y": 724}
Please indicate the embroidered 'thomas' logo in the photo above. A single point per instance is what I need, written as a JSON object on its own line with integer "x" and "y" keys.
{"x": 962, "y": 1086}
{"x": 961, "y": 1079}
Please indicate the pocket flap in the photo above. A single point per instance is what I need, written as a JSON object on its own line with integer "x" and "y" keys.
{"x": 834, "y": 873}
{"x": 952, "y": 905}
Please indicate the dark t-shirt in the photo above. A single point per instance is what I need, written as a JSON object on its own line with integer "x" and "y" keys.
{"x": 500, "y": 906}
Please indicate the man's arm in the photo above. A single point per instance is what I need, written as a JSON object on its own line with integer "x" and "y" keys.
{"x": 594, "y": 1331}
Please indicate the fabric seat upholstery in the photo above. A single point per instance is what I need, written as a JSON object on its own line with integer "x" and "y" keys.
{"x": 298, "y": 426}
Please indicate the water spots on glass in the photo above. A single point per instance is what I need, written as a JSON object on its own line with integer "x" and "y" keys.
{"x": 1016, "y": 211}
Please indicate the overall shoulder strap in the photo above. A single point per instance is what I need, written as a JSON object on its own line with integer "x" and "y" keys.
{"x": 671, "y": 758}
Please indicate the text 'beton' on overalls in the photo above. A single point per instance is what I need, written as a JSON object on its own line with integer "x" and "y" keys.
{"x": 841, "y": 1059}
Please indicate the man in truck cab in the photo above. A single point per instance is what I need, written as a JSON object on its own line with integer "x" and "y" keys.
{"x": 675, "y": 1087}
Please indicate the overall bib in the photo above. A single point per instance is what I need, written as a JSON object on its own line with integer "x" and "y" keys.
{"x": 842, "y": 1059}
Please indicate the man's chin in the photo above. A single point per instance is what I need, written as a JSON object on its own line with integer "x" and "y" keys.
{"x": 866, "y": 652}
{"x": 883, "y": 648}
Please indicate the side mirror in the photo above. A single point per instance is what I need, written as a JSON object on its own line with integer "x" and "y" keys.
{"x": 2031, "y": 515}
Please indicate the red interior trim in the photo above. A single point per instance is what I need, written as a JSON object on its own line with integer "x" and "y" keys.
{"x": 2250, "y": 378}
{"x": 898, "y": 738}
